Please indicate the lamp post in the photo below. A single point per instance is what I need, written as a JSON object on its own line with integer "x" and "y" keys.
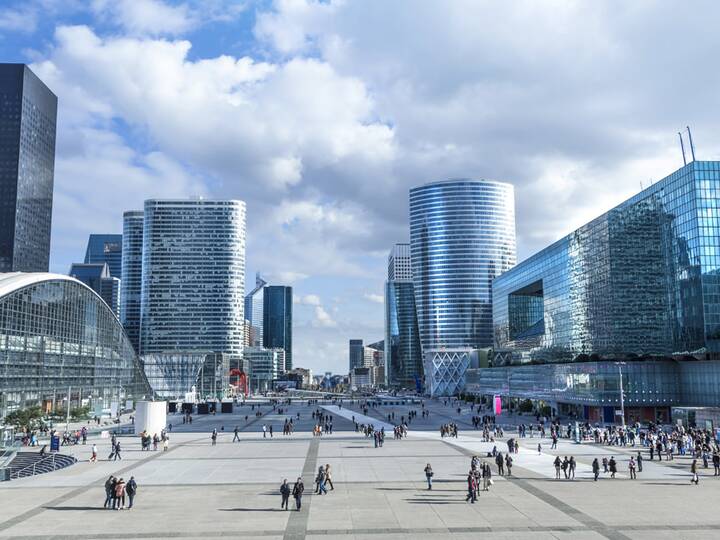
{"x": 622, "y": 396}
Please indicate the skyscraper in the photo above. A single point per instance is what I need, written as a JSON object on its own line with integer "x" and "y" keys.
{"x": 356, "y": 354}
{"x": 132, "y": 250}
{"x": 462, "y": 236}
{"x": 254, "y": 311}
{"x": 105, "y": 248}
{"x": 277, "y": 320}
{"x": 28, "y": 114}
{"x": 193, "y": 276}
{"x": 97, "y": 277}
{"x": 403, "y": 358}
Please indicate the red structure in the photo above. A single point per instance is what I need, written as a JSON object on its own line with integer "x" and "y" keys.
{"x": 241, "y": 383}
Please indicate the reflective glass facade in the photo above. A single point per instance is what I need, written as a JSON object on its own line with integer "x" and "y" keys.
{"x": 462, "y": 236}
{"x": 97, "y": 277}
{"x": 193, "y": 276}
{"x": 28, "y": 114}
{"x": 105, "y": 248}
{"x": 403, "y": 358}
{"x": 172, "y": 375}
{"x": 254, "y": 311}
{"x": 55, "y": 334}
{"x": 277, "y": 320}
{"x": 642, "y": 279}
{"x": 132, "y": 248}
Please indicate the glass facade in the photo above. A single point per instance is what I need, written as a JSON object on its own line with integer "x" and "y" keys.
{"x": 265, "y": 365}
{"x": 131, "y": 266}
{"x": 173, "y": 375}
{"x": 403, "y": 358}
{"x": 97, "y": 277}
{"x": 356, "y": 353}
{"x": 56, "y": 334}
{"x": 254, "y": 311}
{"x": 277, "y": 320}
{"x": 462, "y": 236}
{"x": 639, "y": 284}
{"x": 193, "y": 276}
{"x": 106, "y": 248}
{"x": 28, "y": 114}
{"x": 642, "y": 279}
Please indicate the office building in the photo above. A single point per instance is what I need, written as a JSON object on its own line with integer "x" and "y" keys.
{"x": 59, "y": 339}
{"x": 403, "y": 357}
{"x": 639, "y": 285}
{"x": 277, "y": 320}
{"x": 193, "y": 276}
{"x": 266, "y": 365}
{"x": 28, "y": 114}
{"x": 356, "y": 354}
{"x": 462, "y": 236}
{"x": 131, "y": 266}
{"x": 179, "y": 375}
{"x": 97, "y": 277}
{"x": 105, "y": 248}
{"x": 254, "y": 311}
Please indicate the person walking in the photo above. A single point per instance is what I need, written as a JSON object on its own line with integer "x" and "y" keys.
{"x": 328, "y": 477}
{"x": 631, "y": 468}
{"x": 571, "y": 466}
{"x": 214, "y": 437}
{"x": 116, "y": 452}
{"x": 639, "y": 461}
{"x": 613, "y": 466}
{"x": 93, "y": 457}
{"x": 264, "y": 431}
{"x": 131, "y": 490}
{"x": 509, "y": 464}
{"x": 472, "y": 487}
{"x": 297, "y": 493}
{"x": 284, "y": 494}
{"x": 716, "y": 463}
{"x": 236, "y": 437}
{"x": 596, "y": 468}
{"x": 429, "y": 475}
{"x": 558, "y": 465}
{"x": 487, "y": 476}
{"x": 166, "y": 443}
{"x": 694, "y": 470}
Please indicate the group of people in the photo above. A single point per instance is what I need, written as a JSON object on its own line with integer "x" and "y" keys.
{"x": 146, "y": 441}
{"x": 449, "y": 430}
{"x": 115, "y": 491}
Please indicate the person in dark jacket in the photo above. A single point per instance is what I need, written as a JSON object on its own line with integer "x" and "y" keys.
{"x": 297, "y": 493}
{"x": 285, "y": 494}
{"x": 109, "y": 492}
{"x": 613, "y": 466}
{"x": 131, "y": 490}
{"x": 596, "y": 468}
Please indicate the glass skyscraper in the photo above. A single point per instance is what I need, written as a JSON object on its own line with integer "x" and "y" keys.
{"x": 403, "y": 357}
{"x": 28, "y": 114}
{"x": 254, "y": 311}
{"x": 132, "y": 250}
{"x": 97, "y": 277}
{"x": 193, "y": 276}
{"x": 277, "y": 320}
{"x": 639, "y": 284}
{"x": 105, "y": 248}
{"x": 462, "y": 236}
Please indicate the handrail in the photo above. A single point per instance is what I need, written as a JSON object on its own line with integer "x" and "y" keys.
{"x": 9, "y": 455}
{"x": 16, "y": 474}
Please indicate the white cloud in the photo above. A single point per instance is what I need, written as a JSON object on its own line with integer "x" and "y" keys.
{"x": 377, "y": 298}
{"x": 309, "y": 300}
{"x": 323, "y": 318}
{"x": 153, "y": 17}
{"x": 21, "y": 19}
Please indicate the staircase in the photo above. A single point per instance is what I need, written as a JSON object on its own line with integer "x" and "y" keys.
{"x": 31, "y": 463}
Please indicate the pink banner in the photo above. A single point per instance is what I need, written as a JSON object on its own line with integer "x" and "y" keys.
{"x": 497, "y": 405}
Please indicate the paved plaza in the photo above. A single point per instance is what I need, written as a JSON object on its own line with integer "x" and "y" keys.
{"x": 196, "y": 490}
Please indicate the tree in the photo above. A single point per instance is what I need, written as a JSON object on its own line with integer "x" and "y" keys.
{"x": 30, "y": 418}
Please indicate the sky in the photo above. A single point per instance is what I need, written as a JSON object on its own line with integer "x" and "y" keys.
{"x": 321, "y": 115}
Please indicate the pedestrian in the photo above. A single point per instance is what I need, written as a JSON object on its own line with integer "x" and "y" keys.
{"x": 596, "y": 468}
{"x": 284, "y": 494}
{"x": 236, "y": 437}
{"x": 297, "y": 493}
{"x": 328, "y": 477}
{"x": 639, "y": 461}
{"x": 613, "y": 466}
{"x": 487, "y": 476}
{"x": 693, "y": 469}
{"x": 319, "y": 478}
{"x": 631, "y": 468}
{"x": 120, "y": 495}
{"x": 264, "y": 431}
{"x": 571, "y": 466}
{"x": 539, "y": 449}
{"x": 116, "y": 452}
{"x": 214, "y": 437}
{"x": 93, "y": 457}
{"x": 716, "y": 463}
{"x": 131, "y": 490}
{"x": 166, "y": 443}
{"x": 429, "y": 475}
{"x": 557, "y": 464}
{"x": 271, "y": 431}
{"x": 509, "y": 464}
{"x": 472, "y": 487}
{"x": 109, "y": 492}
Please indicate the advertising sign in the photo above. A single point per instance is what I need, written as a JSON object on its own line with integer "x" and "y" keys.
{"x": 497, "y": 405}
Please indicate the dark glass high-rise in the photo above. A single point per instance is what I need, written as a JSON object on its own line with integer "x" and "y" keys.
{"x": 277, "y": 320}
{"x": 28, "y": 115}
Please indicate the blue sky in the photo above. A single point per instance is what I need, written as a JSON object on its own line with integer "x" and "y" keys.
{"x": 321, "y": 116}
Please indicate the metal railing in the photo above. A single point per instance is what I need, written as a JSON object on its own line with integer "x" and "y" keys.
{"x": 19, "y": 472}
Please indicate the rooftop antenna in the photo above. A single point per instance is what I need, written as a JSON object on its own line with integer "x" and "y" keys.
{"x": 682, "y": 147}
{"x": 692, "y": 147}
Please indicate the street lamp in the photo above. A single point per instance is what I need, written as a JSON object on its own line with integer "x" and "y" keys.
{"x": 622, "y": 397}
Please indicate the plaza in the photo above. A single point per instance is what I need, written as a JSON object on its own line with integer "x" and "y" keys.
{"x": 197, "y": 490}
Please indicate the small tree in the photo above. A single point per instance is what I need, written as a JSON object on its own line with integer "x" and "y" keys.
{"x": 526, "y": 406}
{"x": 30, "y": 418}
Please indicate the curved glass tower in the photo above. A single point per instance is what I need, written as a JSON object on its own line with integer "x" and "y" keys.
{"x": 132, "y": 246}
{"x": 193, "y": 276}
{"x": 462, "y": 236}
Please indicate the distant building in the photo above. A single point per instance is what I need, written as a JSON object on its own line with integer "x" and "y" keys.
{"x": 131, "y": 280}
{"x": 399, "y": 263}
{"x": 97, "y": 277}
{"x": 266, "y": 365}
{"x": 356, "y": 354}
{"x": 277, "y": 320}
{"x": 362, "y": 377}
{"x": 303, "y": 376}
{"x": 174, "y": 374}
{"x": 28, "y": 114}
{"x": 105, "y": 248}
{"x": 254, "y": 311}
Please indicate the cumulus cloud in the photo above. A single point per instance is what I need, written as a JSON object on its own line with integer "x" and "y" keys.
{"x": 377, "y": 298}
{"x": 323, "y": 318}
{"x": 308, "y": 300}
{"x": 153, "y": 17}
